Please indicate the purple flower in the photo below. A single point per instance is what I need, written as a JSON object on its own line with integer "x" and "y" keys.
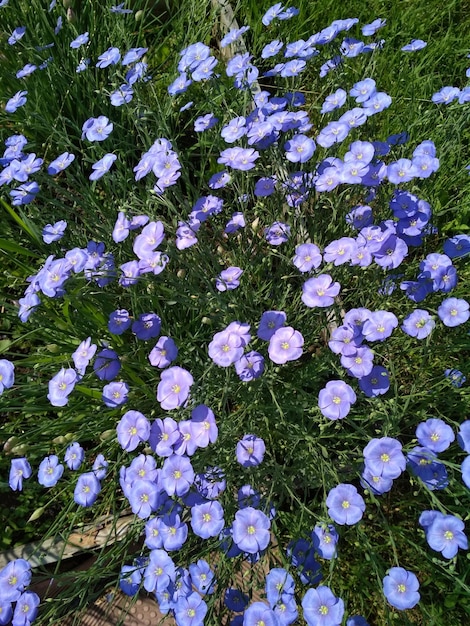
{"x": 418, "y": 324}
{"x": 376, "y": 383}
{"x": 219, "y": 180}
{"x": 226, "y": 348}
{"x": 400, "y": 587}
{"x": 147, "y": 326}
{"x": 265, "y": 187}
{"x": 446, "y": 95}
{"x": 26, "y": 609}
{"x": 190, "y": 610}
{"x": 324, "y": 540}
{"x": 270, "y": 322}
{"x": 205, "y": 122}
{"x": 102, "y": 166}
{"x": 250, "y": 366}
{"x": 110, "y": 57}
{"x": 202, "y": 577}
{"x": 7, "y": 375}
{"x": 144, "y": 498}
{"x": 87, "y": 489}
{"x": 322, "y": 608}
{"x": 99, "y": 466}
{"x": 258, "y": 613}
{"x": 239, "y": 158}
{"x": 115, "y": 394}
{"x": 207, "y": 519}
{"x": 133, "y": 427}
{"x": 334, "y": 101}
{"x": 81, "y": 40}
{"x": 250, "y": 451}
{"x": 164, "y": 352}
{"x": 130, "y": 579}
{"x": 277, "y": 233}
{"x": 119, "y": 321}
{"x": 444, "y": 533}
{"x": 177, "y": 475}
{"x": 159, "y": 572}
{"x": 228, "y": 279}
{"x": 54, "y": 232}
{"x": 345, "y": 504}
{"x": 456, "y": 377}
{"x": 121, "y": 96}
{"x": 384, "y": 457}
{"x": 97, "y": 129}
{"x": 74, "y": 455}
{"x": 83, "y": 355}
{"x": 174, "y": 386}
{"x": 17, "y": 101}
{"x": 60, "y": 386}
{"x": 368, "y": 30}
{"x": 150, "y": 238}
{"x": 14, "y": 578}
{"x": 416, "y": 44}
{"x": 107, "y": 365}
{"x": 272, "y": 13}
{"x": 435, "y": 435}
{"x": 319, "y": 291}
{"x": 251, "y": 530}
{"x": 453, "y": 312}
{"x": 379, "y": 326}
{"x": 50, "y": 470}
{"x": 20, "y": 469}
{"x": 285, "y": 345}
{"x": 457, "y": 246}
{"x": 299, "y": 149}
{"x": 335, "y": 399}
{"x": 204, "y": 428}
{"x": 163, "y": 435}
{"x": 360, "y": 363}
{"x": 307, "y": 256}
{"x": 16, "y": 35}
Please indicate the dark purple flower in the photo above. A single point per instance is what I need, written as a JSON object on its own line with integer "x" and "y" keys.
{"x": 107, "y": 365}
{"x": 376, "y": 383}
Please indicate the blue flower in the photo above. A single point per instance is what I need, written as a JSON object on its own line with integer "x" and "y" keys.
{"x": 322, "y": 608}
{"x": 81, "y": 40}
{"x": 102, "y": 166}
{"x": 16, "y": 35}
{"x": 54, "y": 232}
{"x": 17, "y": 101}
{"x": 400, "y": 587}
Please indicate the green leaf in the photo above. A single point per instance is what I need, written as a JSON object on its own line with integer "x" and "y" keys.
{"x": 10, "y": 246}
{"x": 23, "y": 222}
